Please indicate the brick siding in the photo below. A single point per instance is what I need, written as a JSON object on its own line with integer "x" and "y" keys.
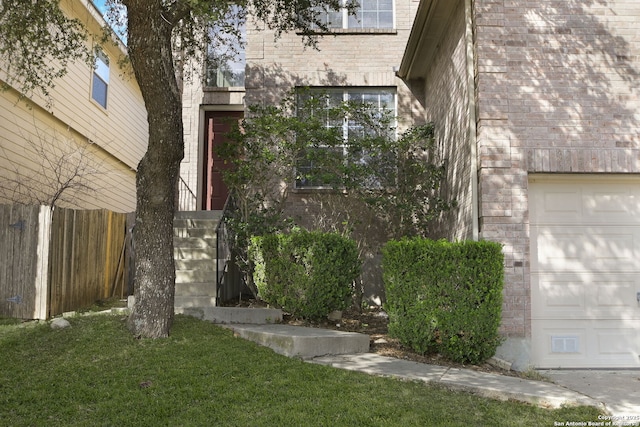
{"x": 558, "y": 88}
{"x": 360, "y": 59}
{"x": 446, "y": 105}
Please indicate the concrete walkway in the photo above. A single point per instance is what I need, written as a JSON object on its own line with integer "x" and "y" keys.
{"x": 619, "y": 390}
{"x": 305, "y": 343}
{"x": 502, "y": 387}
{"x": 348, "y": 350}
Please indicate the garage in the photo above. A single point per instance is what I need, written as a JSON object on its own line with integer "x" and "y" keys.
{"x": 585, "y": 271}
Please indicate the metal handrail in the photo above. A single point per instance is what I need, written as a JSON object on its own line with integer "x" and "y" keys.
{"x": 187, "y": 199}
{"x": 222, "y": 245}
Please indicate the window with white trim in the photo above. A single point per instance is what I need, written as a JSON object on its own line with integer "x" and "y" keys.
{"x": 380, "y": 100}
{"x": 226, "y": 58}
{"x": 368, "y": 14}
{"x": 100, "y": 83}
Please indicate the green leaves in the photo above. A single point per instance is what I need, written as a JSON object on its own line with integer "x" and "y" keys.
{"x": 445, "y": 297}
{"x": 37, "y": 42}
{"x": 303, "y": 141}
{"x": 309, "y": 274}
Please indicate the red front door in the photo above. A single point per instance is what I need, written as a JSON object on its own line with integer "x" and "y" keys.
{"x": 218, "y": 123}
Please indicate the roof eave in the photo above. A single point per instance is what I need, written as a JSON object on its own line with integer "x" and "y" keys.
{"x": 430, "y": 22}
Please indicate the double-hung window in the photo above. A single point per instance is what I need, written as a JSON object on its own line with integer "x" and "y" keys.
{"x": 369, "y": 14}
{"x": 226, "y": 58}
{"x": 312, "y": 171}
{"x": 100, "y": 83}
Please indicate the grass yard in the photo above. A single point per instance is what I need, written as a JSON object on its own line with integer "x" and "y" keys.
{"x": 96, "y": 374}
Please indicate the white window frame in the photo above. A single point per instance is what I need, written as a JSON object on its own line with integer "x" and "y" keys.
{"x": 346, "y": 96}
{"x": 100, "y": 74}
{"x": 351, "y": 22}
{"x": 225, "y": 64}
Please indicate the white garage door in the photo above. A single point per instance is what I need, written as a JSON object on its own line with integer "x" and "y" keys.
{"x": 585, "y": 271}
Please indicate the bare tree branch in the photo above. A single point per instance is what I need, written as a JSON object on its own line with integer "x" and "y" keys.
{"x": 64, "y": 170}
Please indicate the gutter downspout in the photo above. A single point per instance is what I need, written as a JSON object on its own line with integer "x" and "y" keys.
{"x": 472, "y": 131}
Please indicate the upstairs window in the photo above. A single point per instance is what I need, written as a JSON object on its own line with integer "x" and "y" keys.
{"x": 226, "y": 59}
{"x": 100, "y": 83}
{"x": 377, "y": 14}
{"x": 378, "y": 102}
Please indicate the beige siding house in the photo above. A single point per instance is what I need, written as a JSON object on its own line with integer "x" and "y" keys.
{"x": 537, "y": 110}
{"x": 94, "y": 121}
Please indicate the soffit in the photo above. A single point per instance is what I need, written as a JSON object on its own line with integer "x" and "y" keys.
{"x": 432, "y": 19}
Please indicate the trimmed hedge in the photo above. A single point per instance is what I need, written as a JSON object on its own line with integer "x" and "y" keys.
{"x": 309, "y": 274}
{"x": 445, "y": 297}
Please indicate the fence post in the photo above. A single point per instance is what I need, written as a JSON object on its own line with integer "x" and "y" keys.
{"x": 41, "y": 310}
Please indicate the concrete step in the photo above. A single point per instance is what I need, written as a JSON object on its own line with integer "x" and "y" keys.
{"x": 209, "y": 224}
{"x": 197, "y": 222}
{"x": 236, "y": 315}
{"x": 205, "y": 289}
{"x": 194, "y": 253}
{"x": 195, "y": 264}
{"x": 207, "y": 233}
{"x": 191, "y": 215}
{"x": 183, "y": 302}
{"x": 195, "y": 276}
{"x": 194, "y": 242}
{"x": 297, "y": 341}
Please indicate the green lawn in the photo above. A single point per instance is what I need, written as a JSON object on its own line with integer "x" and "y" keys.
{"x": 96, "y": 374}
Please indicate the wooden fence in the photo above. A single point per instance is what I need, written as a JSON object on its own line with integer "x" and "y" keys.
{"x": 61, "y": 261}
{"x": 20, "y": 284}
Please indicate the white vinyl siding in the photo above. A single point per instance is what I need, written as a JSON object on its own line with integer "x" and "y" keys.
{"x": 24, "y": 130}
{"x": 120, "y": 137}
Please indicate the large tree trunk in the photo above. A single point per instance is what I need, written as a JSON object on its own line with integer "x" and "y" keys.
{"x": 149, "y": 44}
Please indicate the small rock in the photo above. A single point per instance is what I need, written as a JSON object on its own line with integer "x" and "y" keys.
{"x": 60, "y": 323}
{"x": 499, "y": 363}
{"x": 335, "y": 315}
{"x": 380, "y": 341}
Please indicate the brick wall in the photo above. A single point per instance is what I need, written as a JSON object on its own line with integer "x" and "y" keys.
{"x": 446, "y": 105}
{"x": 190, "y": 165}
{"x": 365, "y": 58}
{"x": 349, "y": 58}
{"x": 558, "y": 91}
{"x": 196, "y": 99}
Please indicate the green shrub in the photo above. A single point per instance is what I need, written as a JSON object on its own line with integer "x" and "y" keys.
{"x": 309, "y": 274}
{"x": 445, "y": 297}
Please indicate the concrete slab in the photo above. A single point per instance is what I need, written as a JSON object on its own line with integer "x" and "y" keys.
{"x": 297, "y": 341}
{"x": 187, "y": 215}
{"x": 503, "y": 387}
{"x": 618, "y": 390}
{"x": 375, "y": 364}
{"x": 229, "y": 315}
{"x": 614, "y": 392}
{"x": 484, "y": 384}
{"x": 182, "y": 303}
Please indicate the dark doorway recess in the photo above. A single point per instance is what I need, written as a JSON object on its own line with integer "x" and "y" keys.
{"x": 218, "y": 124}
